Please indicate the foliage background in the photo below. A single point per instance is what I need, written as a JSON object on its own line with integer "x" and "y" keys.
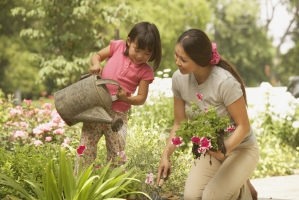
{"x": 48, "y": 43}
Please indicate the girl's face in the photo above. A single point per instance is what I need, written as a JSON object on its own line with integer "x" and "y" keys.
{"x": 183, "y": 61}
{"x": 136, "y": 55}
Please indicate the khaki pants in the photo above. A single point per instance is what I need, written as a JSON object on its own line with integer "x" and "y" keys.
{"x": 223, "y": 179}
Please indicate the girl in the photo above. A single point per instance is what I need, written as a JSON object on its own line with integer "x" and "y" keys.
{"x": 201, "y": 70}
{"x": 128, "y": 65}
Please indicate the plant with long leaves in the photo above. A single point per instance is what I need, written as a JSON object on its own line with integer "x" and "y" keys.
{"x": 110, "y": 184}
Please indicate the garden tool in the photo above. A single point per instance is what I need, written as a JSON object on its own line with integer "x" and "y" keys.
{"x": 87, "y": 100}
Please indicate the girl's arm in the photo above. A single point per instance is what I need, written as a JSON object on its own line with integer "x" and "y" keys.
{"x": 179, "y": 115}
{"x": 238, "y": 112}
{"x": 138, "y": 99}
{"x": 96, "y": 60}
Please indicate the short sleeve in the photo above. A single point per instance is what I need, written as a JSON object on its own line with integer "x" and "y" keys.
{"x": 148, "y": 75}
{"x": 230, "y": 90}
{"x": 174, "y": 86}
{"x": 114, "y": 45}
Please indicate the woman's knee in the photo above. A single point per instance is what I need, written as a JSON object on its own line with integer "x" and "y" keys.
{"x": 216, "y": 194}
{"x": 192, "y": 194}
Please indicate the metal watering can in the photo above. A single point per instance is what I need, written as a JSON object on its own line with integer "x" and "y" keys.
{"x": 87, "y": 101}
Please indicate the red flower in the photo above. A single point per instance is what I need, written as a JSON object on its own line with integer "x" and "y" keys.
{"x": 81, "y": 150}
{"x": 177, "y": 141}
{"x": 195, "y": 140}
{"x": 199, "y": 96}
{"x": 230, "y": 128}
{"x": 205, "y": 143}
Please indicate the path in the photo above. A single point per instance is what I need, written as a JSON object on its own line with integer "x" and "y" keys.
{"x": 277, "y": 188}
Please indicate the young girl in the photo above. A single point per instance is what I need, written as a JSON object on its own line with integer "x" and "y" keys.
{"x": 202, "y": 70}
{"x": 128, "y": 65}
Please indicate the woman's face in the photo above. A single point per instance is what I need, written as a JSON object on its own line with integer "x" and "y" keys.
{"x": 183, "y": 61}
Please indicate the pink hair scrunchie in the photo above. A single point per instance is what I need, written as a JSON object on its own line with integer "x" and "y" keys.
{"x": 216, "y": 56}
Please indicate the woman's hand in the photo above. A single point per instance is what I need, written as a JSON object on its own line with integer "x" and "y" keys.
{"x": 164, "y": 171}
{"x": 217, "y": 154}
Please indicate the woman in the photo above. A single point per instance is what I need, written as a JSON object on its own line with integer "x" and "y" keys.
{"x": 202, "y": 70}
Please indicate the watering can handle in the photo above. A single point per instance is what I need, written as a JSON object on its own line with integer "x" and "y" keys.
{"x": 108, "y": 81}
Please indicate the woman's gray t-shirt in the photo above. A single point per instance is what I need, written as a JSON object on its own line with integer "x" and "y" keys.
{"x": 220, "y": 90}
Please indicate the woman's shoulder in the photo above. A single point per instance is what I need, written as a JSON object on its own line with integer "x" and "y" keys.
{"x": 221, "y": 73}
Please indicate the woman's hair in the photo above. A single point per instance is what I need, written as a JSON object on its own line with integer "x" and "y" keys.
{"x": 147, "y": 36}
{"x": 198, "y": 47}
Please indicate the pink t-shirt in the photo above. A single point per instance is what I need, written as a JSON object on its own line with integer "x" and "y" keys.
{"x": 126, "y": 73}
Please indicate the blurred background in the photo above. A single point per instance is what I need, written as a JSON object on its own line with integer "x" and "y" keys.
{"x": 46, "y": 44}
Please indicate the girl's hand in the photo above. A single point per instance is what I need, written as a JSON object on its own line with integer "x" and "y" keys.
{"x": 217, "y": 154}
{"x": 96, "y": 69}
{"x": 122, "y": 95}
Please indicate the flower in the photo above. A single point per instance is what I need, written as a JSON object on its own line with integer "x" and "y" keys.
{"x": 215, "y": 55}
{"x": 81, "y": 149}
{"x": 149, "y": 178}
{"x": 177, "y": 141}
{"x": 230, "y": 128}
{"x": 199, "y": 96}
{"x": 195, "y": 140}
{"x": 206, "y": 129}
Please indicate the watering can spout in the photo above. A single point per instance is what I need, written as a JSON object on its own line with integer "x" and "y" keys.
{"x": 87, "y": 101}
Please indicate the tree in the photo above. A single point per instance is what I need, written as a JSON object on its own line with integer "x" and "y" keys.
{"x": 282, "y": 66}
{"x": 66, "y": 33}
{"x": 172, "y": 17}
{"x": 16, "y": 73}
{"x": 240, "y": 39}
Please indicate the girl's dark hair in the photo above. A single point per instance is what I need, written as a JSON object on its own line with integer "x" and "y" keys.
{"x": 147, "y": 36}
{"x": 198, "y": 47}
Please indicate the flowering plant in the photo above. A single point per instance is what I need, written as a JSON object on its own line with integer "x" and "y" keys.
{"x": 206, "y": 130}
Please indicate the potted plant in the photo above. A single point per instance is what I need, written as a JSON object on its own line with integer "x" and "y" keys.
{"x": 206, "y": 130}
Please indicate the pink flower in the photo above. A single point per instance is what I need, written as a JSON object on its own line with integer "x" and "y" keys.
{"x": 24, "y": 124}
{"x": 205, "y": 143}
{"x": 67, "y": 140}
{"x": 38, "y": 143}
{"x": 177, "y": 141}
{"x": 199, "y": 96}
{"x": 47, "y": 106}
{"x": 48, "y": 139}
{"x": 59, "y": 131}
{"x": 37, "y": 131}
{"x": 149, "y": 179}
{"x": 81, "y": 150}
{"x": 230, "y": 128}
{"x": 28, "y": 102}
{"x": 20, "y": 134}
{"x": 206, "y": 109}
{"x": 195, "y": 140}
{"x": 215, "y": 55}
{"x": 14, "y": 112}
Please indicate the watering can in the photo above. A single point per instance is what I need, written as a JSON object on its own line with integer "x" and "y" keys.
{"x": 87, "y": 101}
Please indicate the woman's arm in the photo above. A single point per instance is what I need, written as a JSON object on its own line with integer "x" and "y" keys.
{"x": 239, "y": 114}
{"x": 96, "y": 60}
{"x": 179, "y": 115}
